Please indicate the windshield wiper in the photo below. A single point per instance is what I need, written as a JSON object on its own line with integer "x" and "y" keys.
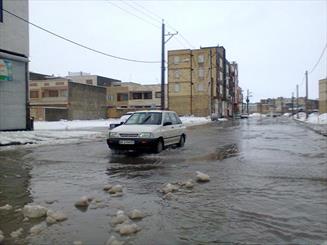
{"x": 146, "y": 119}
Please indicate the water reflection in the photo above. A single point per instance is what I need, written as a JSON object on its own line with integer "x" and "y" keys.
{"x": 132, "y": 166}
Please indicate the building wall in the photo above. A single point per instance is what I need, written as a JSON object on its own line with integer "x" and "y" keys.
{"x": 323, "y": 95}
{"x": 14, "y": 51}
{"x": 212, "y": 90}
{"x": 86, "y": 102}
{"x": 94, "y": 80}
{"x": 14, "y": 32}
{"x": 117, "y": 106}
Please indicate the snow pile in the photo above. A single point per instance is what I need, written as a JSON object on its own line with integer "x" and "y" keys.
{"x": 190, "y": 121}
{"x": 44, "y": 137}
{"x": 313, "y": 118}
{"x": 257, "y": 115}
{"x": 62, "y": 132}
{"x": 76, "y": 124}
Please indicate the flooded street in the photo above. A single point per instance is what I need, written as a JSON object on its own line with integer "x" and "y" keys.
{"x": 268, "y": 184}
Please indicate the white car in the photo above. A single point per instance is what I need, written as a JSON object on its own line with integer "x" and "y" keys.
{"x": 148, "y": 130}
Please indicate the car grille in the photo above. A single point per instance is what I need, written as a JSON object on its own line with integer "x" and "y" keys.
{"x": 128, "y": 135}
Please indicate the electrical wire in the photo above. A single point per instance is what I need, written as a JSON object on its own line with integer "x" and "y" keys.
{"x": 152, "y": 15}
{"x": 141, "y": 11}
{"x": 79, "y": 44}
{"x": 317, "y": 63}
{"x": 126, "y": 11}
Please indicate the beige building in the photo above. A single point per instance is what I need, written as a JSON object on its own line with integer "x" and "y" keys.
{"x": 55, "y": 98}
{"x": 95, "y": 80}
{"x": 202, "y": 82}
{"x": 323, "y": 95}
{"x": 132, "y": 97}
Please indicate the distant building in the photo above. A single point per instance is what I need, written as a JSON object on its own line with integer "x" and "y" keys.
{"x": 14, "y": 53}
{"x": 283, "y": 105}
{"x": 55, "y": 98}
{"x": 133, "y": 96}
{"x": 87, "y": 78}
{"x": 202, "y": 82}
{"x": 323, "y": 95}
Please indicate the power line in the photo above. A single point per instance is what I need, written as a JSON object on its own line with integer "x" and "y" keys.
{"x": 157, "y": 18}
{"x": 78, "y": 44}
{"x": 141, "y": 11}
{"x": 126, "y": 11}
{"x": 317, "y": 63}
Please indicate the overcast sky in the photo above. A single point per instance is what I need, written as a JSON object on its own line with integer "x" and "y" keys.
{"x": 273, "y": 42}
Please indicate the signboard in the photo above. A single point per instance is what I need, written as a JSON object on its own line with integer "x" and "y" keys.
{"x": 5, "y": 70}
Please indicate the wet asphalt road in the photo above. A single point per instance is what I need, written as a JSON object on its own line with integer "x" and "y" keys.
{"x": 268, "y": 185}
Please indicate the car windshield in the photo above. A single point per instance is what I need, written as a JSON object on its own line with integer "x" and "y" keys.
{"x": 147, "y": 118}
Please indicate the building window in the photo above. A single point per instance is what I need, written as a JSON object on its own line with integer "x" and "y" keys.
{"x": 201, "y": 58}
{"x": 53, "y": 93}
{"x": 110, "y": 97}
{"x": 32, "y": 84}
{"x": 158, "y": 95}
{"x": 63, "y": 93}
{"x": 147, "y": 95}
{"x": 122, "y": 97}
{"x": 221, "y": 62}
{"x": 60, "y": 83}
{"x": 177, "y": 87}
{"x": 50, "y": 93}
{"x": 176, "y": 60}
{"x": 220, "y": 76}
{"x": 34, "y": 94}
{"x": 177, "y": 74}
{"x": 46, "y": 84}
{"x": 89, "y": 81}
{"x": 201, "y": 72}
{"x": 200, "y": 87}
{"x": 136, "y": 96}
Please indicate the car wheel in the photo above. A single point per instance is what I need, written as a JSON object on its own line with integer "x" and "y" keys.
{"x": 181, "y": 141}
{"x": 159, "y": 146}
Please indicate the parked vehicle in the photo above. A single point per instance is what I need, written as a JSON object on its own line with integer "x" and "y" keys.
{"x": 122, "y": 120}
{"x": 148, "y": 131}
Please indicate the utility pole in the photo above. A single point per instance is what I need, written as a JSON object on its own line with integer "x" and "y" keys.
{"x": 292, "y": 104}
{"x": 297, "y": 101}
{"x": 247, "y": 101}
{"x": 163, "y": 66}
{"x": 163, "y": 42}
{"x": 306, "y": 94}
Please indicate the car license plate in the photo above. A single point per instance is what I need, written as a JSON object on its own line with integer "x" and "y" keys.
{"x": 126, "y": 142}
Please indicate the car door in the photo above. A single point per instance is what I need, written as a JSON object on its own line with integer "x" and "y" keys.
{"x": 177, "y": 127}
{"x": 167, "y": 130}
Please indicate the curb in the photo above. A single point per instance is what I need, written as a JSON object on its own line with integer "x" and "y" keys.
{"x": 316, "y": 128}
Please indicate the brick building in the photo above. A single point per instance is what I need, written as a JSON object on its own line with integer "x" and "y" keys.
{"x": 202, "y": 82}
{"x": 55, "y": 98}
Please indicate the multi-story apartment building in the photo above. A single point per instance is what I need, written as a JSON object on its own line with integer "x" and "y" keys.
{"x": 96, "y": 80}
{"x": 55, "y": 98}
{"x": 323, "y": 95}
{"x": 14, "y": 53}
{"x": 133, "y": 96}
{"x": 202, "y": 82}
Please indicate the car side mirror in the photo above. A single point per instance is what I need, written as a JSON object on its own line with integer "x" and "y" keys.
{"x": 167, "y": 123}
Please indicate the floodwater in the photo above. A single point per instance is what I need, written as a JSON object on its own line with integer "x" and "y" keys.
{"x": 268, "y": 185}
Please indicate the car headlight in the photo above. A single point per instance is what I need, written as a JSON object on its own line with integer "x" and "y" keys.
{"x": 113, "y": 134}
{"x": 146, "y": 135}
